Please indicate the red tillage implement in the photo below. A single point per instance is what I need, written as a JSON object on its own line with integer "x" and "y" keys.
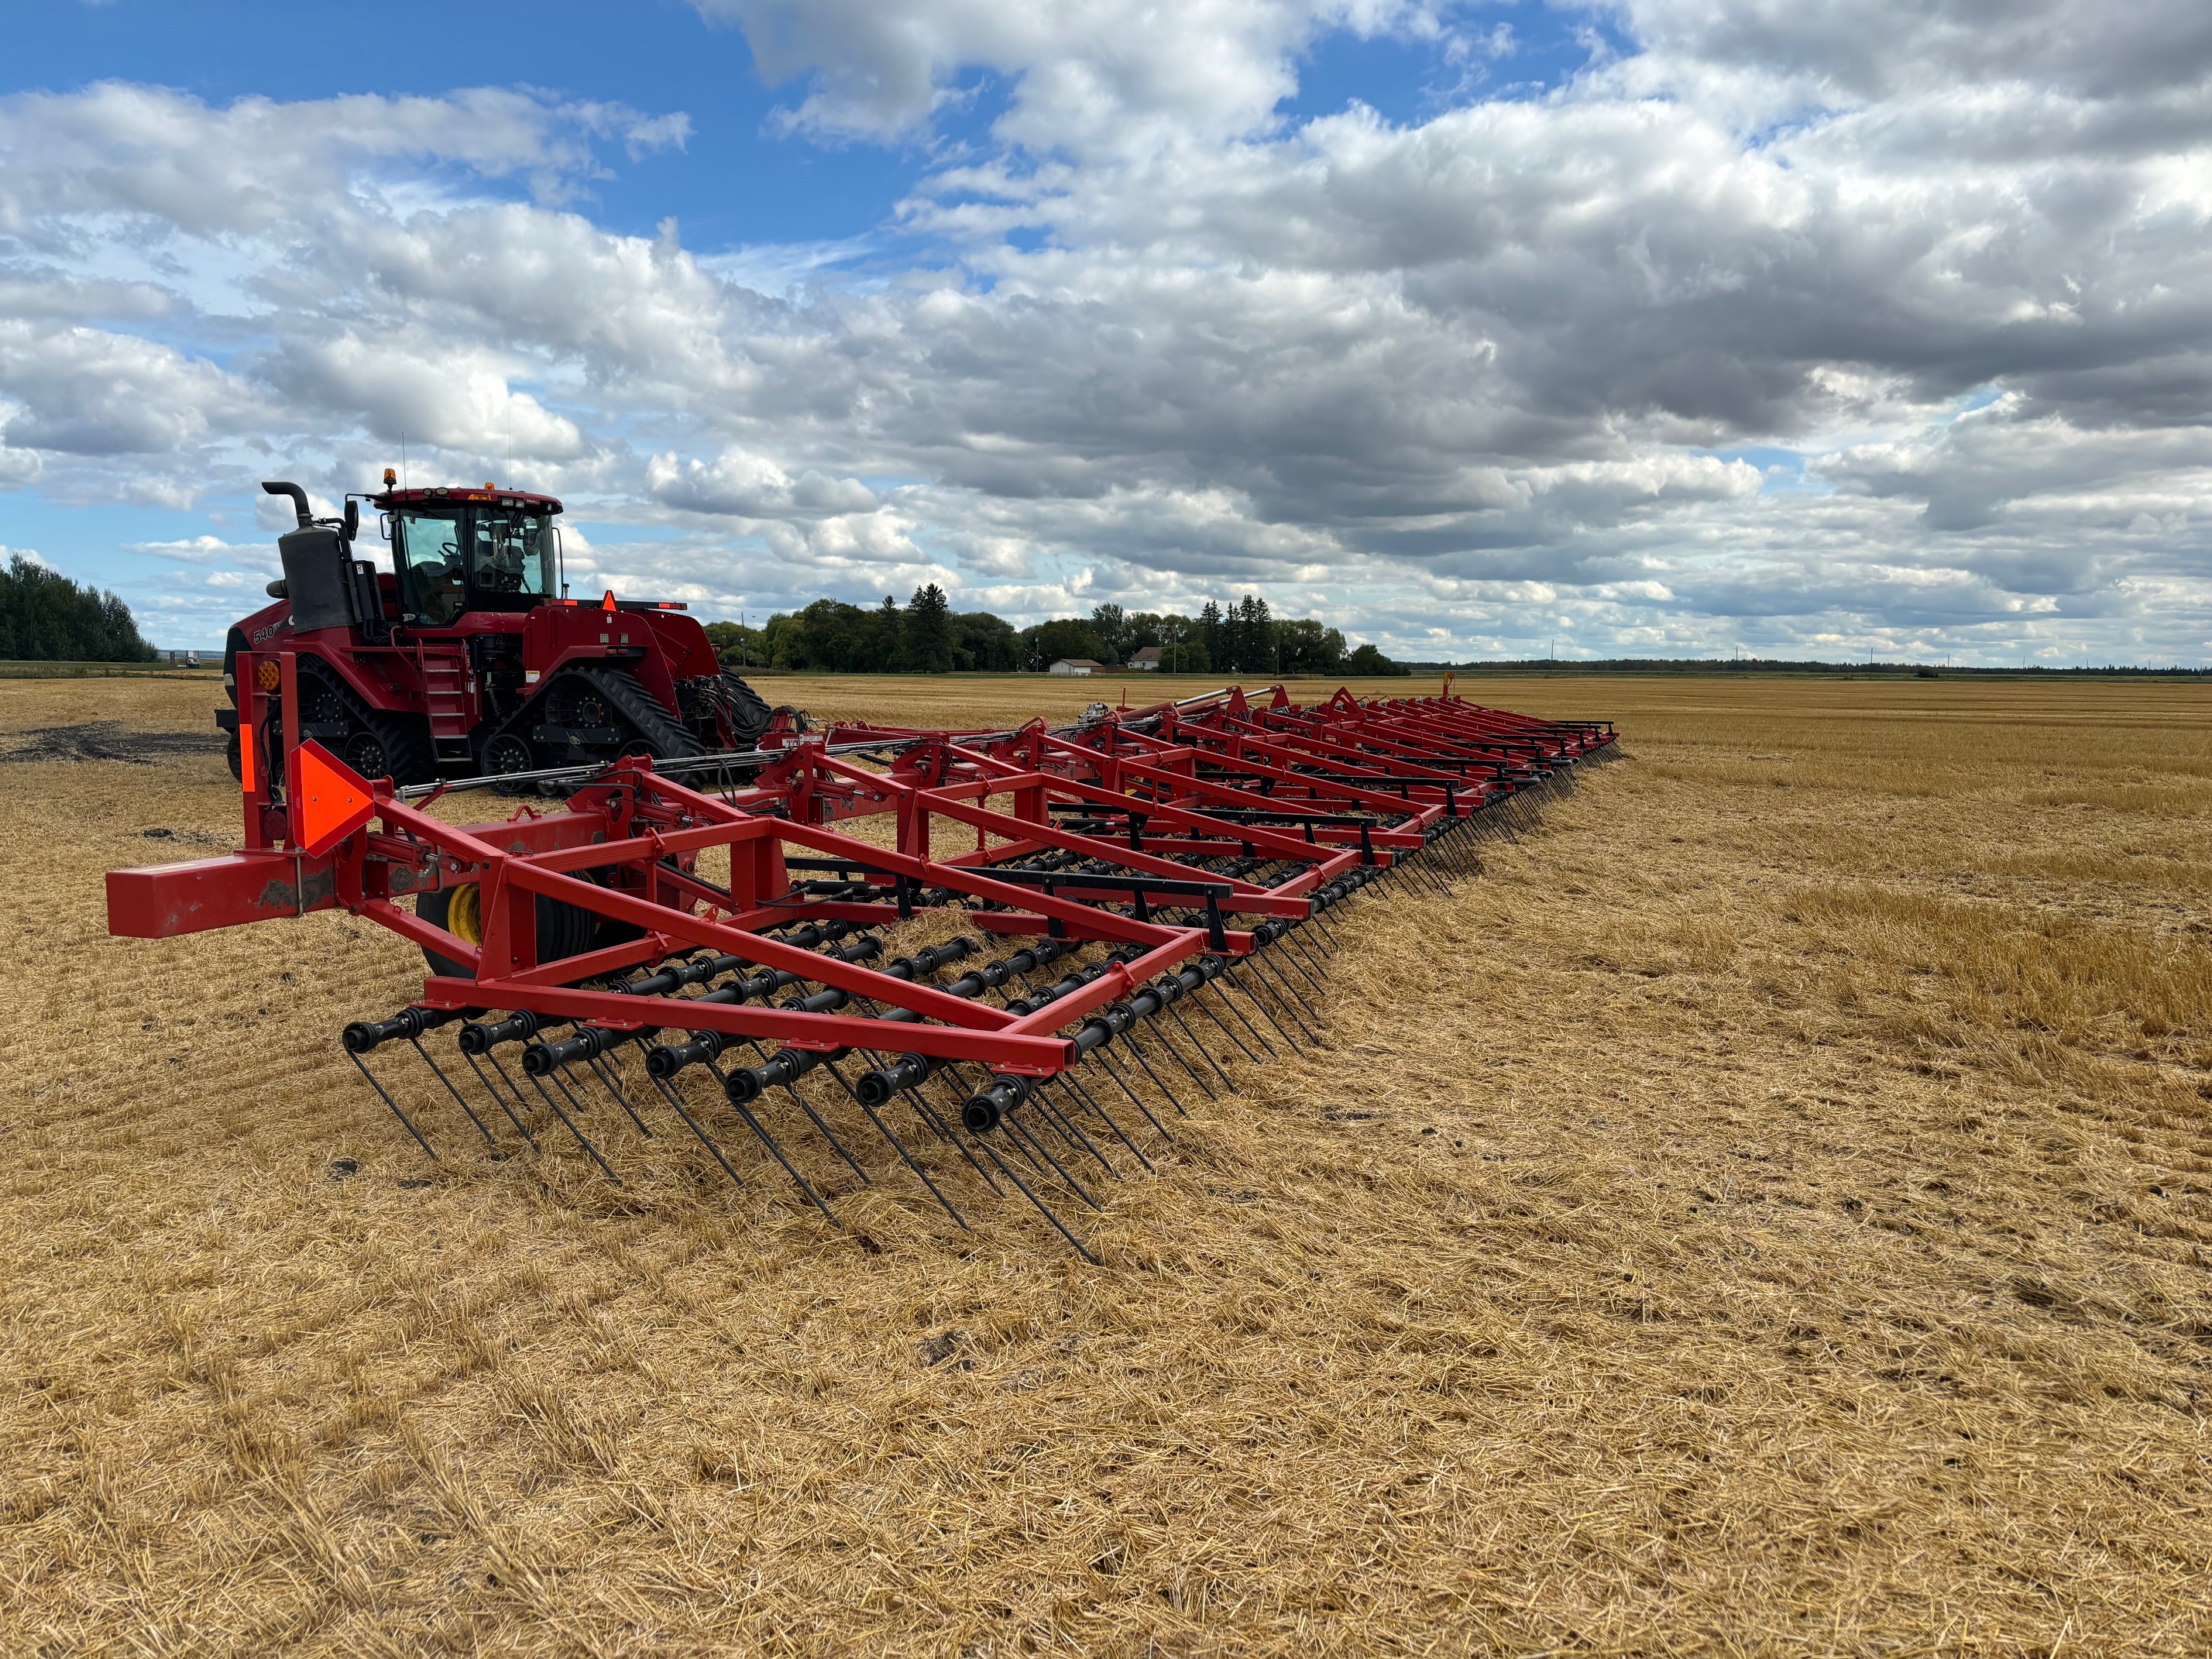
{"x": 1155, "y": 887}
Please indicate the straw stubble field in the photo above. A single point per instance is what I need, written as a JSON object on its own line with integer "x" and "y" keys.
{"x": 1767, "y": 1214}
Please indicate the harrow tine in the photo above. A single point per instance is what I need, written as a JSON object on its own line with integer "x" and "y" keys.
{"x": 521, "y": 1128}
{"x": 1076, "y": 1084}
{"x": 884, "y": 1129}
{"x": 676, "y": 1101}
{"x": 1043, "y": 1208}
{"x": 1203, "y": 1053}
{"x": 1070, "y": 1131}
{"x": 389, "y": 1100}
{"x": 1296, "y": 1001}
{"x": 1166, "y": 1043}
{"x": 417, "y": 1044}
{"x": 1031, "y": 1142}
{"x": 958, "y": 1143}
{"x": 1306, "y": 962}
{"x": 1135, "y": 1099}
{"x": 1116, "y": 1128}
{"x": 1275, "y": 972}
{"x": 559, "y": 1076}
{"x": 1206, "y": 1009}
{"x": 572, "y": 1129}
{"x": 1154, "y": 1076}
{"x": 1228, "y": 978}
{"x": 606, "y": 1076}
{"x": 828, "y": 1133}
{"x": 768, "y": 1141}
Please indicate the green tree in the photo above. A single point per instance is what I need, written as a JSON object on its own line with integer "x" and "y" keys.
{"x": 47, "y": 617}
{"x": 739, "y": 647}
{"x": 1306, "y": 647}
{"x": 1213, "y": 636}
{"x": 928, "y": 631}
{"x": 1111, "y": 624}
{"x": 885, "y": 648}
{"x": 1368, "y": 663}
{"x": 983, "y": 643}
{"x": 828, "y": 636}
{"x": 1047, "y": 642}
{"x": 1249, "y": 636}
{"x": 1182, "y": 649}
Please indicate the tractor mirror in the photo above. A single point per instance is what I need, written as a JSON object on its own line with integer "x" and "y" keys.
{"x": 352, "y": 519}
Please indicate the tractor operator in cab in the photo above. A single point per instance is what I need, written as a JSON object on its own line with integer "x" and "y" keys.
{"x": 431, "y": 565}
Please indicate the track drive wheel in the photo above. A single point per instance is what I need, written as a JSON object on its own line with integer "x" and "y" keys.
{"x": 379, "y": 745}
{"x": 505, "y": 753}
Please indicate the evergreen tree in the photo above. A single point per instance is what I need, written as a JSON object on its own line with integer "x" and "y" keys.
{"x": 1213, "y": 636}
{"x": 885, "y": 650}
{"x": 928, "y": 631}
{"x": 1252, "y": 636}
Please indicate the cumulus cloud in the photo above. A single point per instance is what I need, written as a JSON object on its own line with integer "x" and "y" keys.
{"x": 739, "y": 486}
{"x": 1831, "y": 328}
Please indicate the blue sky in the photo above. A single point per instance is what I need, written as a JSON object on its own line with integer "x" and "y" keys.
{"x": 1654, "y": 327}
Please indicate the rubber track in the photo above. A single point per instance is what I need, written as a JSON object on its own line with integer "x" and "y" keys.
{"x": 635, "y": 704}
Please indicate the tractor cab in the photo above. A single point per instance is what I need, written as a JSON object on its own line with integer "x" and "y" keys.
{"x": 461, "y": 550}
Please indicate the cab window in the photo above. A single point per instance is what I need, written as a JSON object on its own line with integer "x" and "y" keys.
{"x": 510, "y": 556}
{"x": 427, "y": 547}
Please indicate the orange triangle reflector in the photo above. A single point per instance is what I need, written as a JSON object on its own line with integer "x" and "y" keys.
{"x": 607, "y": 605}
{"x": 331, "y": 800}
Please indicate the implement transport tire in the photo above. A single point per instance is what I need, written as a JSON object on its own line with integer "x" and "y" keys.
{"x": 563, "y": 930}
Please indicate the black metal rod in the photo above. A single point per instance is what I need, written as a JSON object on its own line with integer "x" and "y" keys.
{"x": 1207, "y": 1008}
{"x": 1041, "y": 1207}
{"x": 1118, "y": 1135}
{"x": 774, "y": 1150}
{"x": 1160, "y": 1036}
{"x": 958, "y": 1143}
{"x": 1135, "y": 1099}
{"x": 1090, "y": 1100}
{"x": 828, "y": 1134}
{"x": 572, "y": 1129}
{"x": 417, "y": 1044}
{"x": 1131, "y": 1044}
{"x": 676, "y": 1101}
{"x": 1204, "y": 1053}
{"x": 390, "y": 1102}
{"x": 520, "y": 1125}
{"x": 1021, "y": 1134}
{"x": 1072, "y": 1132}
{"x": 1229, "y": 1002}
{"x": 884, "y": 1129}
{"x": 606, "y": 1076}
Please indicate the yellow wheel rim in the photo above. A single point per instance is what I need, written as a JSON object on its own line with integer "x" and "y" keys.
{"x": 464, "y": 920}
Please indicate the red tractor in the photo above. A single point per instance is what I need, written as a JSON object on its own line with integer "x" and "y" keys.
{"x": 468, "y": 658}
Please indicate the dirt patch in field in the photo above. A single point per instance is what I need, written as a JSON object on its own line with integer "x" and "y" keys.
{"x": 1769, "y": 1212}
{"x": 106, "y": 740}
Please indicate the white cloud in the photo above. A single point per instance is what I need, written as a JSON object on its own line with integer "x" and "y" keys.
{"x": 1838, "y": 328}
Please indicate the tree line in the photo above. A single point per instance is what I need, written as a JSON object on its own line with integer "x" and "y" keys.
{"x": 47, "y": 617}
{"x": 927, "y": 636}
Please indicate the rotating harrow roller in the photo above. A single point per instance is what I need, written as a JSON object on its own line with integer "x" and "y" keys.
{"x": 1151, "y": 900}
